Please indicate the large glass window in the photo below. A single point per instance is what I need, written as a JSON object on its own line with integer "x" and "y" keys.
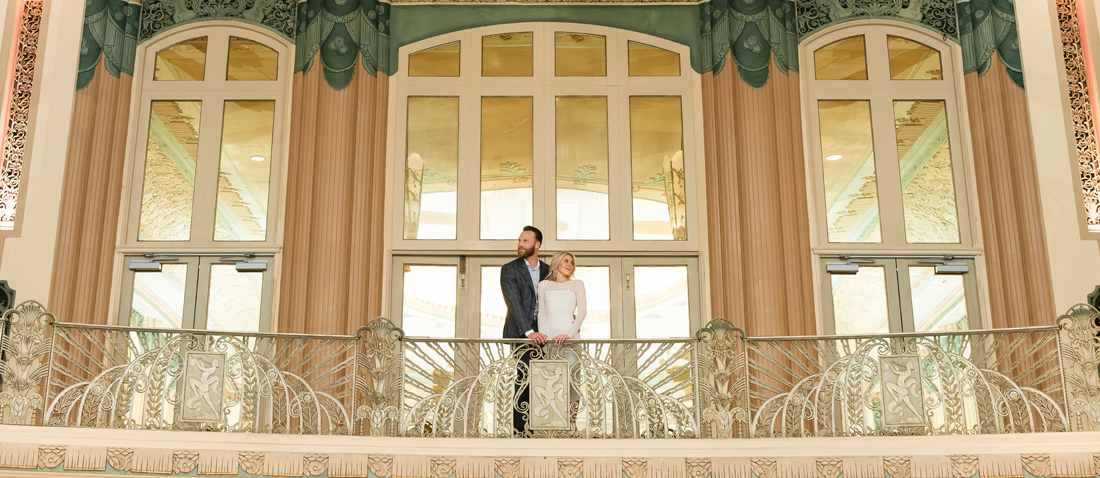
{"x": 584, "y": 132}
{"x": 199, "y": 249}
{"x": 896, "y": 247}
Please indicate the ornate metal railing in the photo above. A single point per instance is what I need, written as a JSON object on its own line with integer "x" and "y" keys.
{"x": 719, "y": 384}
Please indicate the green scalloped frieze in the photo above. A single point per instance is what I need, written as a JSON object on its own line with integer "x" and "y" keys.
{"x": 279, "y": 16}
{"x": 988, "y": 27}
{"x": 755, "y": 32}
{"x": 938, "y": 16}
{"x": 110, "y": 35}
{"x": 342, "y": 31}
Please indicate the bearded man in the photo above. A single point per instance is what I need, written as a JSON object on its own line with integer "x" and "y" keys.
{"x": 519, "y": 281}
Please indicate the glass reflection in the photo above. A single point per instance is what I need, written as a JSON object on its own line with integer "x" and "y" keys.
{"x": 493, "y": 308}
{"x": 431, "y": 168}
{"x": 581, "y": 167}
{"x": 507, "y": 162}
{"x": 442, "y": 60}
{"x": 244, "y": 174}
{"x": 169, "y": 180}
{"x": 508, "y": 54}
{"x": 939, "y": 300}
{"x": 927, "y": 177}
{"x": 429, "y": 301}
{"x": 848, "y": 166}
{"x": 661, "y": 302}
{"x": 251, "y": 61}
{"x": 910, "y": 60}
{"x": 844, "y": 59}
{"x": 577, "y": 54}
{"x": 158, "y": 297}
{"x": 859, "y": 302}
{"x": 184, "y": 61}
{"x": 597, "y": 289}
{"x": 648, "y": 60}
{"x": 657, "y": 168}
{"x": 235, "y": 297}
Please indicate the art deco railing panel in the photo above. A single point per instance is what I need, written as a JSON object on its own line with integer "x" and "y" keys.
{"x": 719, "y": 384}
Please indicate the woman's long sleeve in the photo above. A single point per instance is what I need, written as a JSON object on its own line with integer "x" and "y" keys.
{"x": 542, "y": 301}
{"x": 582, "y": 309}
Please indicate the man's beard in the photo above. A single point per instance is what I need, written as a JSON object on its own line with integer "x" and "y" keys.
{"x": 525, "y": 253}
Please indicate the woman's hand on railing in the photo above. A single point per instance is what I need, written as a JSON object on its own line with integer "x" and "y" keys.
{"x": 560, "y": 339}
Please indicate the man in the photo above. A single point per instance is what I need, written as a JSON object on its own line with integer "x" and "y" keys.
{"x": 519, "y": 281}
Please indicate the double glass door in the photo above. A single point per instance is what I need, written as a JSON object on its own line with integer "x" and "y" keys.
{"x": 887, "y": 295}
{"x": 627, "y": 297}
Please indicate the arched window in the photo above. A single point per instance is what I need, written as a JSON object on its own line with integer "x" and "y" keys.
{"x": 200, "y": 227}
{"x": 893, "y": 225}
{"x": 584, "y": 132}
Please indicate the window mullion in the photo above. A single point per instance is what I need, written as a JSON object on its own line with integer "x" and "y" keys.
{"x": 207, "y": 167}
{"x": 891, "y": 214}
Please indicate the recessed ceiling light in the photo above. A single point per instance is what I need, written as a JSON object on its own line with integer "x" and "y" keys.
{"x": 261, "y": 158}
{"x": 831, "y": 157}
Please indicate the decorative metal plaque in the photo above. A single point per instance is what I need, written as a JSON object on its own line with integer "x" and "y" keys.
{"x": 902, "y": 393}
{"x": 203, "y": 379}
{"x": 549, "y": 395}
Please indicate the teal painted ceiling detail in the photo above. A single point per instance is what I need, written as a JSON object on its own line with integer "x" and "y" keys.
{"x": 342, "y": 31}
{"x": 989, "y": 26}
{"x": 754, "y": 31}
{"x": 110, "y": 35}
{"x": 160, "y": 15}
{"x": 936, "y": 15}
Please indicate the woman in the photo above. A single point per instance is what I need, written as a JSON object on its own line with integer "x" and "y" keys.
{"x": 562, "y": 306}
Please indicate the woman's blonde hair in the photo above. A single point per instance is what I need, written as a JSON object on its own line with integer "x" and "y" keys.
{"x": 556, "y": 260}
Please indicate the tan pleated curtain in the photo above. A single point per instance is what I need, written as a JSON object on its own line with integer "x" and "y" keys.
{"x": 80, "y": 288}
{"x": 1017, "y": 267}
{"x": 757, "y": 214}
{"x": 333, "y": 252}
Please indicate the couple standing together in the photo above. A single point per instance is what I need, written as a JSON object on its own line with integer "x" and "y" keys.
{"x": 544, "y": 304}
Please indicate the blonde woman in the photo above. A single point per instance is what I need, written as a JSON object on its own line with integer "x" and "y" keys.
{"x": 562, "y": 307}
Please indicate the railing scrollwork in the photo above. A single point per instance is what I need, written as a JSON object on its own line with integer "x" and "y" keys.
{"x": 718, "y": 384}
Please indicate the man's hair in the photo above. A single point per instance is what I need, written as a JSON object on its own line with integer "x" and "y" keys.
{"x": 538, "y": 233}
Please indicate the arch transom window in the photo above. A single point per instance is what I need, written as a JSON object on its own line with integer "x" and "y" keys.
{"x": 892, "y": 214}
{"x": 584, "y": 132}
{"x": 200, "y": 231}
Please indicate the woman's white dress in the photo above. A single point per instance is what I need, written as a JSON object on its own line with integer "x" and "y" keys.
{"x": 559, "y": 302}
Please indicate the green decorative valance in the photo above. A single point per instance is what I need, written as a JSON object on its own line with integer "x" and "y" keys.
{"x": 936, "y": 15}
{"x": 989, "y": 26}
{"x": 754, "y": 31}
{"x": 160, "y": 15}
{"x": 110, "y": 35}
{"x": 341, "y": 31}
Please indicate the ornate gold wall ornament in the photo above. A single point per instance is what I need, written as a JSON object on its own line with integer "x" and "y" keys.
{"x": 251, "y": 462}
{"x": 26, "y": 348}
{"x": 1081, "y": 103}
{"x": 831, "y": 467}
{"x": 1037, "y": 465}
{"x": 964, "y": 466}
{"x": 315, "y": 464}
{"x": 898, "y": 466}
{"x": 183, "y": 461}
{"x": 152, "y": 460}
{"x": 18, "y": 455}
{"x": 18, "y": 110}
{"x": 764, "y": 467}
{"x": 507, "y": 467}
{"x": 218, "y": 462}
{"x": 1081, "y": 359}
{"x": 50, "y": 456}
{"x": 698, "y": 467}
{"x": 636, "y": 467}
{"x": 444, "y": 467}
{"x": 86, "y": 458}
{"x": 380, "y": 465}
{"x": 122, "y": 459}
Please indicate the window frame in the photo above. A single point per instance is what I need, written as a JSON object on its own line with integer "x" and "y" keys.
{"x": 617, "y": 86}
{"x": 879, "y": 89}
{"x": 215, "y": 89}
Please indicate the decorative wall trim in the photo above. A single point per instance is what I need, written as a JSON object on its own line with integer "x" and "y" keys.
{"x": 111, "y": 35}
{"x": 278, "y": 16}
{"x": 989, "y": 27}
{"x": 341, "y": 31}
{"x": 17, "y": 109}
{"x": 361, "y": 465}
{"x": 937, "y": 15}
{"x": 1081, "y": 107}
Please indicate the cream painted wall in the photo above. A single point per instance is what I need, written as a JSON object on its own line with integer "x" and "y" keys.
{"x": 1074, "y": 263}
{"x": 28, "y": 259}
